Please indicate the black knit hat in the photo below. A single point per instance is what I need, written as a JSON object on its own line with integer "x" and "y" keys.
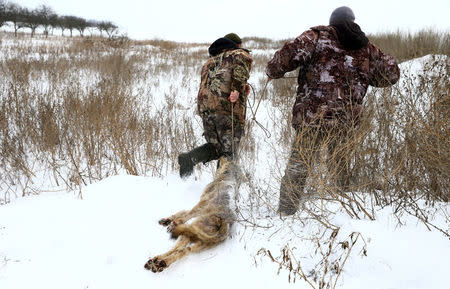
{"x": 234, "y": 37}
{"x": 221, "y": 45}
{"x": 342, "y": 14}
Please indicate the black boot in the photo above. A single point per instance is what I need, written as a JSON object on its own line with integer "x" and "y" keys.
{"x": 186, "y": 165}
{"x": 187, "y": 161}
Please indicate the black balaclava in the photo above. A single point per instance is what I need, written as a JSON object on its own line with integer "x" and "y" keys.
{"x": 349, "y": 33}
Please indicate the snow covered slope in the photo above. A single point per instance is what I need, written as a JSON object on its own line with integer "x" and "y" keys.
{"x": 57, "y": 240}
{"x": 103, "y": 238}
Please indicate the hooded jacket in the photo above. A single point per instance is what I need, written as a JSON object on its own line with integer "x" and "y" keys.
{"x": 226, "y": 70}
{"x": 333, "y": 79}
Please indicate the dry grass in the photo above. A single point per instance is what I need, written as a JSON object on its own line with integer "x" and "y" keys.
{"x": 76, "y": 111}
{"x": 399, "y": 156}
{"x": 83, "y": 109}
{"x": 404, "y": 46}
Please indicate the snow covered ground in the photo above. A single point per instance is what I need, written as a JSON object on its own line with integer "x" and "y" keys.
{"x": 103, "y": 238}
{"x": 58, "y": 240}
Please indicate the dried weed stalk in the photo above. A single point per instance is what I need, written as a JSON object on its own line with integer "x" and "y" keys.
{"x": 76, "y": 111}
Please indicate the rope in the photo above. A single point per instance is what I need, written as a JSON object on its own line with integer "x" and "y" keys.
{"x": 253, "y": 119}
{"x": 265, "y": 130}
{"x": 232, "y": 131}
{"x": 253, "y": 112}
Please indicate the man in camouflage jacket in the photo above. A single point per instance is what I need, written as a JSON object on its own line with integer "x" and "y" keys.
{"x": 336, "y": 65}
{"x": 221, "y": 103}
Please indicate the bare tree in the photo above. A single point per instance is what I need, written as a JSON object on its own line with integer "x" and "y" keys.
{"x": 44, "y": 15}
{"x": 110, "y": 28}
{"x": 100, "y": 26}
{"x": 30, "y": 20}
{"x": 61, "y": 23}
{"x": 92, "y": 26}
{"x": 70, "y": 23}
{"x": 81, "y": 25}
{"x": 2, "y": 13}
{"x": 53, "y": 20}
{"x": 15, "y": 14}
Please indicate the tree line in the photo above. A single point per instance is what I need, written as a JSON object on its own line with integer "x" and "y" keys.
{"x": 45, "y": 17}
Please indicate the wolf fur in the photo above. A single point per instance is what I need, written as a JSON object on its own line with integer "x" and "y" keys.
{"x": 213, "y": 219}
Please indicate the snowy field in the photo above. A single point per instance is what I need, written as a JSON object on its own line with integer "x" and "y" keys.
{"x": 102, "y": 237}
{"x": 57, "y": 240}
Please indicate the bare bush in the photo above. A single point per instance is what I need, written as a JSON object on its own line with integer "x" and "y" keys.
{"x": 77, "y": 111}
{"x": 87, "y": 116}
{"x": 405, "y": 46}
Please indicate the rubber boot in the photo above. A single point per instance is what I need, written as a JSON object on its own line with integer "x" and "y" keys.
{"x": 187, "y": 161}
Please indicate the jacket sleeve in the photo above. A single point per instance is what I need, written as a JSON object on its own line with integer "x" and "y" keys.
{"x": 383, "y": 68}
{"x": 241, "y": 71}
{"x": 293, "y": 54}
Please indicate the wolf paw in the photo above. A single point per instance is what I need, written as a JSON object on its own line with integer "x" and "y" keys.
{"x": 155, "y": 265}
{"x": 170, "y": 223}
{"x": 165, "y": 222}
{"x": 172, "y": 227}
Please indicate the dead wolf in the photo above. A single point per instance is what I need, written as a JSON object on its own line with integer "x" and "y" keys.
{"x": 213, "y": 219}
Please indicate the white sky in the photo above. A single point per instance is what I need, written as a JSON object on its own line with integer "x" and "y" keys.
{"x": 205, "y": 21}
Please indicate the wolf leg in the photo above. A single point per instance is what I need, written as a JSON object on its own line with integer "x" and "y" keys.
{"x": 166, "y": 221}
{"x": 159, "y": 263}
{"x": 181, "y": 217}
{"x": 183, "y": 252}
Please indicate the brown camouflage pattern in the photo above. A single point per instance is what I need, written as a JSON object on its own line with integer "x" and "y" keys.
{"x": 305, "y": 153}
{"x": 222, "y": 74}
{"x": 219, "y": 131}
{"x": 332, "y": 81}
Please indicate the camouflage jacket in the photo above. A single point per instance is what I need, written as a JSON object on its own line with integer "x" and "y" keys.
{"x": 332, "y": 81}
{"x": 222, "y": 74}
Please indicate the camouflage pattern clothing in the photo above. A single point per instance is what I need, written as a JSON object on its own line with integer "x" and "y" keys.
{"x": 219, "y": 132}
{"x": 227, "y": 70}
{"x": 305, "y": 153}
{"x": 221, "y": 74}
{"x": 332, "y": 81}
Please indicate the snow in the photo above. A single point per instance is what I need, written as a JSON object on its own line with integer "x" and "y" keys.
{"x": 59, "y": 240}
{"x": 102, "y": 236}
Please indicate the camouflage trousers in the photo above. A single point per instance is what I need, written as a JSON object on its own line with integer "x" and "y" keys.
{"x": 219, "y": 131}
{"x": 305, "y": 154}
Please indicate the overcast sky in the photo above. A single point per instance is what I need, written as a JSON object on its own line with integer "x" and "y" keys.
{"x": 207, "y": 20}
